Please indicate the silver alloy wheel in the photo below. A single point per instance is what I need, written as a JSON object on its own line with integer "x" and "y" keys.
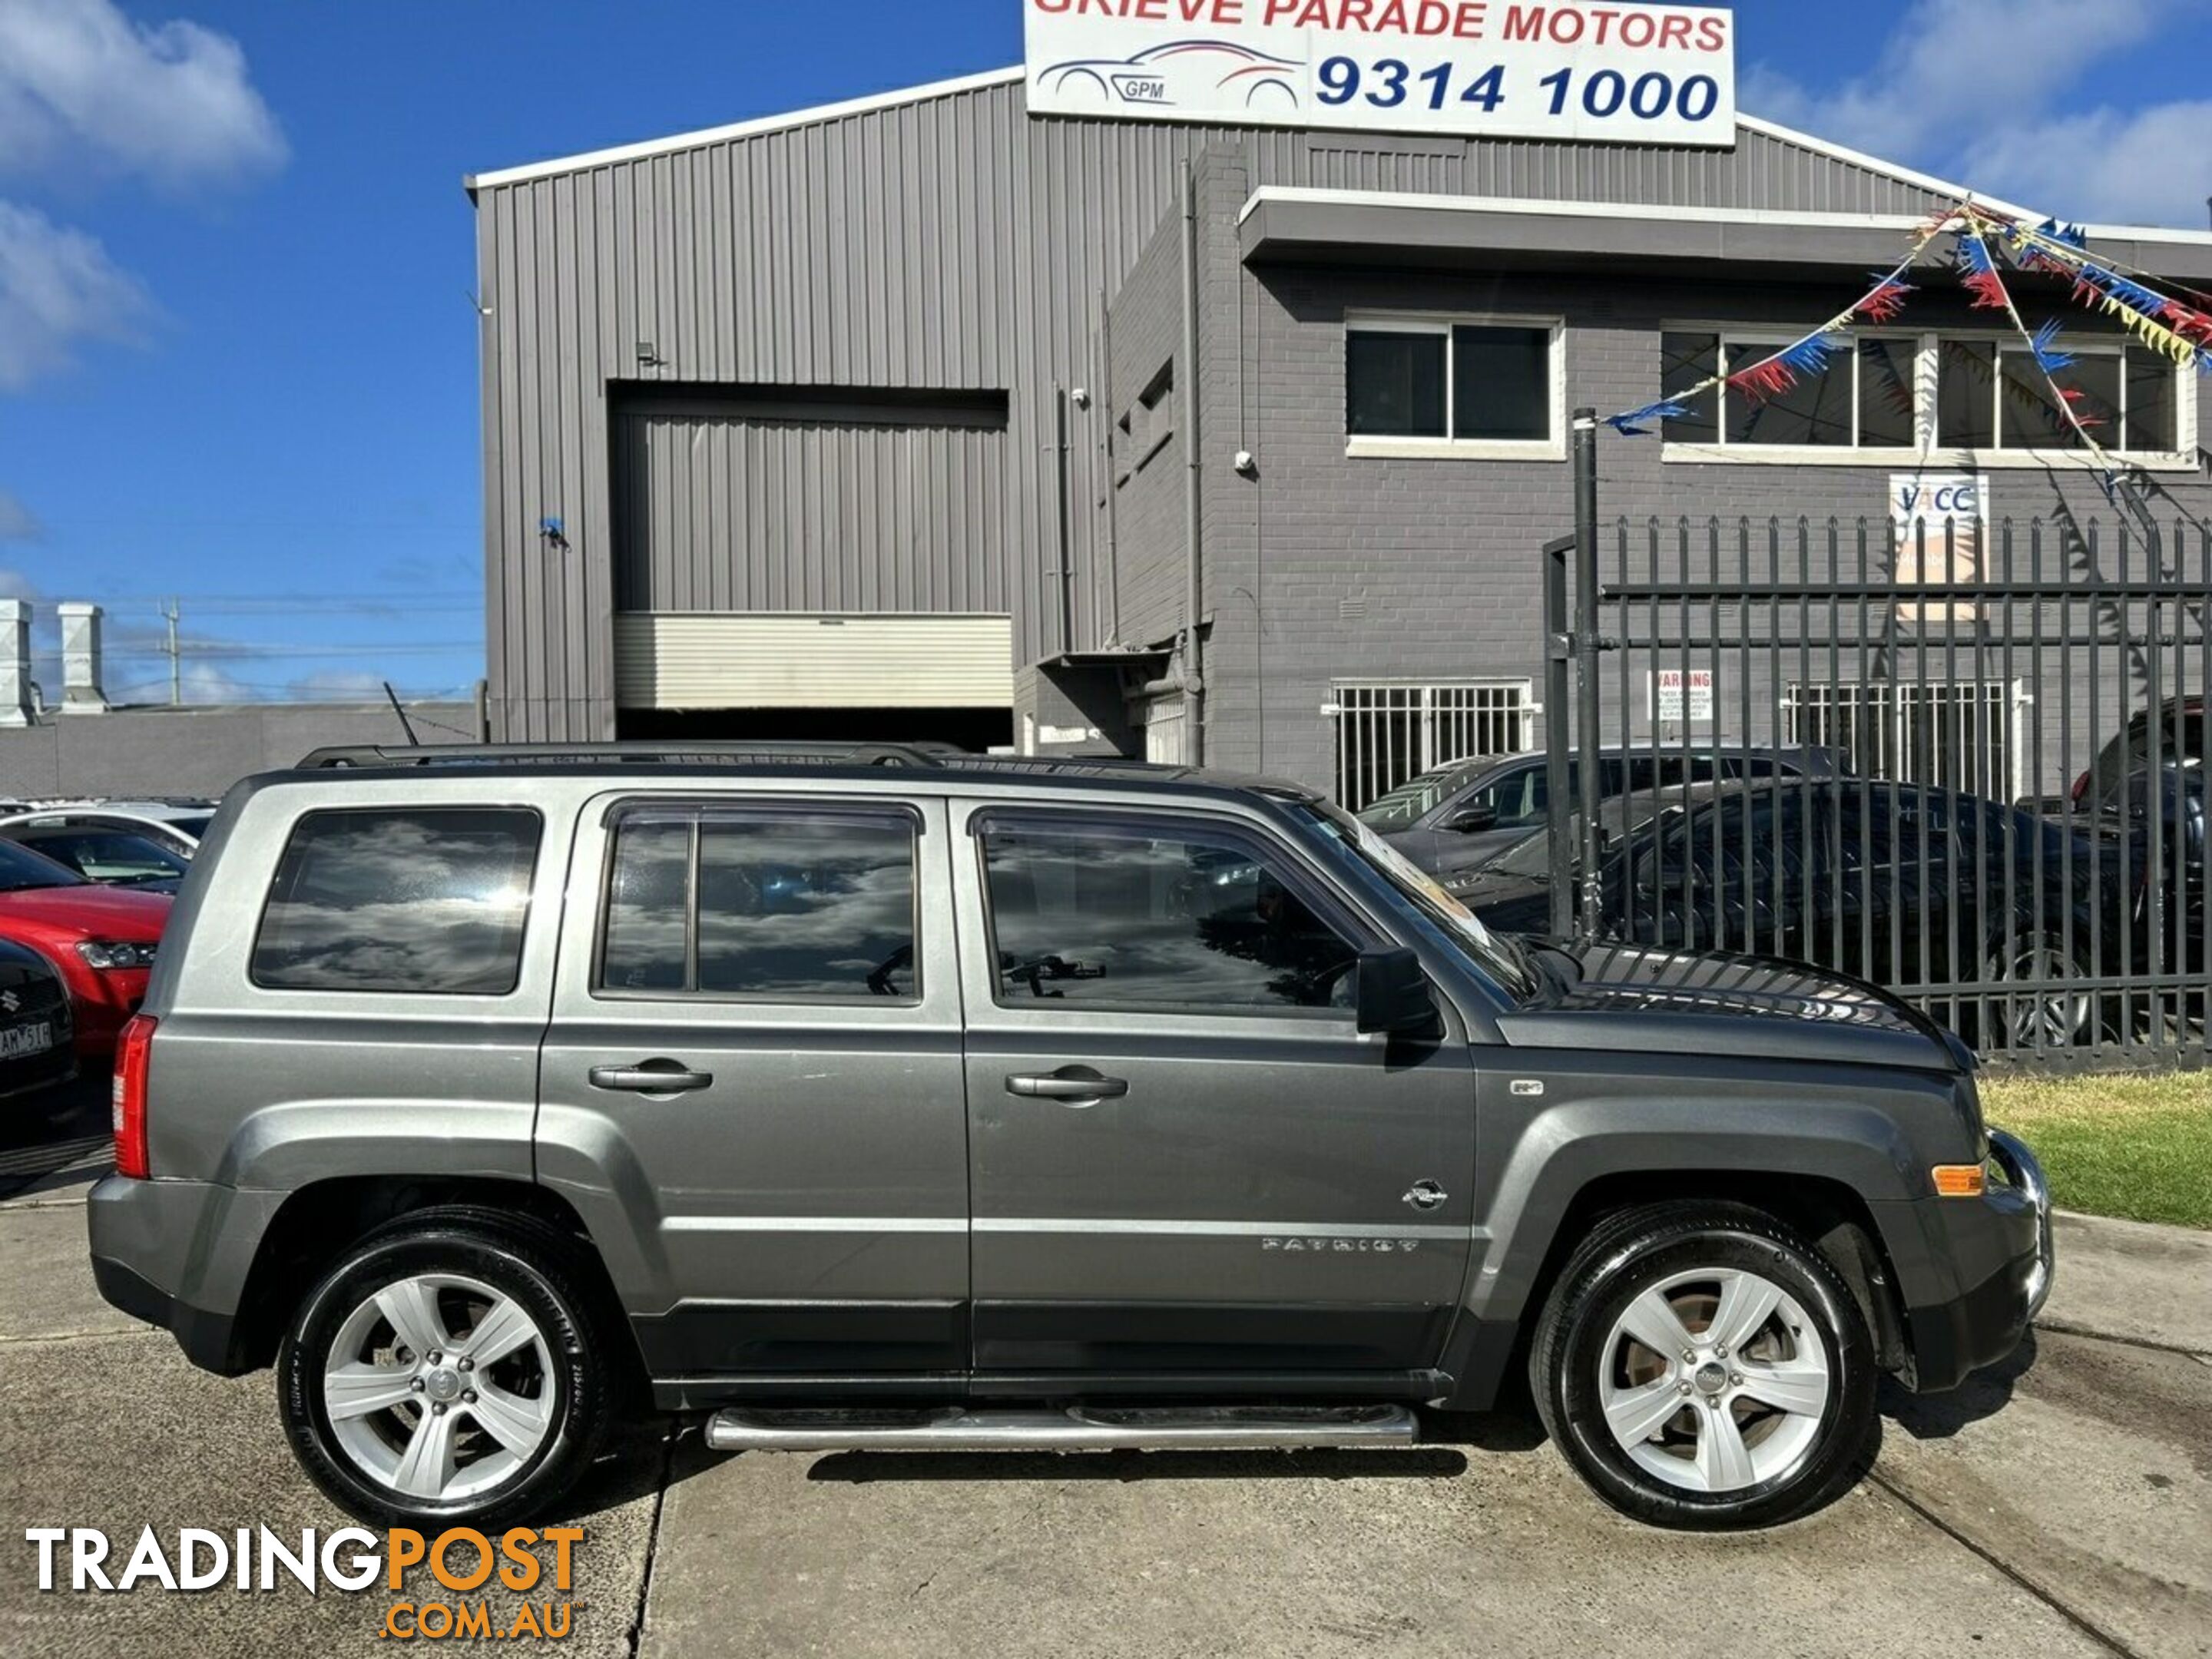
{"x": 2051, "y": 1015}
{"x": 1714, "y": 1380}
{"x": 440, "y": 1387}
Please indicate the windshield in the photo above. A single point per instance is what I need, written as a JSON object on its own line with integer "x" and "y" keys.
{"x": 1501, "y": 958}
{"x": 193, "y": 824}
{"x": 111, "y": 855}
{"x": 1411, "y": 800}
{"x": 20, "y": 870}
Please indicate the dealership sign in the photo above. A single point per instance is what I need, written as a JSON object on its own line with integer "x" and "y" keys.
{"x": 1610, "y": 74}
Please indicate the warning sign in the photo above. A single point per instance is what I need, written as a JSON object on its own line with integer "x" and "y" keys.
{"x": 1682, "y": 695}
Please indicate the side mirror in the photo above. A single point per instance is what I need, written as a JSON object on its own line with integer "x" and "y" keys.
{"x": 1392, "y": 994}
{"x": 1469, "y": 819}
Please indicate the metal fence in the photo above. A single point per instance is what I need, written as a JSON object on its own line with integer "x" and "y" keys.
{"x": 1977, "y": 761}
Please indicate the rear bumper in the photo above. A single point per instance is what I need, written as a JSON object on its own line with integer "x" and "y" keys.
{"x": 2002, "y": 1248}
{"x": 176, "y": 1253}
{"x": 209, "y": 1339}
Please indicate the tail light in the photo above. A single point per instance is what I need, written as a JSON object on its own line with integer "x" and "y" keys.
{"x": 133, "y": 1048}
{"x": 2080, "y": 787}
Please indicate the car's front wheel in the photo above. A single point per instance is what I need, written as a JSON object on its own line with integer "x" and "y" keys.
{"x": 1703, "y": 1367}
{"x": 448, "y": 1371}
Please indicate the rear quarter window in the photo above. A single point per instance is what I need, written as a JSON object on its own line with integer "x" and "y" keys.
{"x": 421, "y": 901}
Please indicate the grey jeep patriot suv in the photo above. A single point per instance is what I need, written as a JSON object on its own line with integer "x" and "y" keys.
{"x": 886, "y": 1097}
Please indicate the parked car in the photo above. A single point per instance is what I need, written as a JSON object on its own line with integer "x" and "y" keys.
{"x": 37, "y": 1048}
{"x": 1457, "y": 817}
{"x": 178, "y": 825}
{"x": 1905, "y": 885}
{"x": 2173, "y": 736}
{"x": 118, "y": 857}
{"x": 930, "y": 1100}
{"x": 101, "y": 938}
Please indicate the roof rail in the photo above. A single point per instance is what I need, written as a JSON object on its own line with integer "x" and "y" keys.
{"x": 631, "y": 753}
{"x": 922, "y": 755}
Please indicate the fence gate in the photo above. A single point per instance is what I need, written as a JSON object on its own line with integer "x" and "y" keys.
{"x": 1387, "y": 733}
{"x": 1964, "y": 763}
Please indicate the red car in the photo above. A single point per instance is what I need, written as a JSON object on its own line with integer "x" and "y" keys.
{"x": 100, "y": 938}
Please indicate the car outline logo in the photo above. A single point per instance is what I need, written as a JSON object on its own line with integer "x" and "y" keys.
{"x": 1148, "y": 78}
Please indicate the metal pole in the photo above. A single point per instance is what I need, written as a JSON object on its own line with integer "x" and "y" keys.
{"x": 1558, "y": 646}
{"x": 1586, "y": 647}
{"x": 1194, "y": 664}
{"x": 1065, "y": 572}
{"x": 176, "y": 665}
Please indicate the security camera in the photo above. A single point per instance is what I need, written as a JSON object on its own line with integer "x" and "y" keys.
{"x": 1080, "y": 397}
{"x": 1246, "y": 462}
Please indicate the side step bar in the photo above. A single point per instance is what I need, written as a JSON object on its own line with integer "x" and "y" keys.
{"x": 1077, "y": 1428}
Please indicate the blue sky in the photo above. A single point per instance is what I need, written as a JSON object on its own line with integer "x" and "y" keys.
{"x": 237, "y": 354}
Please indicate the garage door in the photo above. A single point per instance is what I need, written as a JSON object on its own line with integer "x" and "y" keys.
{"x": 836, "y": 500}
{"x": 814, "y": 660}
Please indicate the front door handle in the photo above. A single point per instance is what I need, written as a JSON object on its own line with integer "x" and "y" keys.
{"x": 651, "y": 1077}
{"x": 1077, "y": 1084}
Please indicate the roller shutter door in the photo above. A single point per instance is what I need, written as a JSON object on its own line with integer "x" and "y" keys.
{"x": 812, "y": 660}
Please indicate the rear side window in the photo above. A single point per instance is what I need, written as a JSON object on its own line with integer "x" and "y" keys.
{"x": 424, "y": 901}
{"x": 778, "y": 905}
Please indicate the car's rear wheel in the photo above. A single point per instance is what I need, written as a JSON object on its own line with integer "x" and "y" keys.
{"x": 1702, "y": 1367}
{"x": 448, "y": 1370}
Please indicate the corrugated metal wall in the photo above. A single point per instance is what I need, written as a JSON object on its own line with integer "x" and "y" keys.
{"x": 948, "y": 242}
{"x": 722, "y": 513}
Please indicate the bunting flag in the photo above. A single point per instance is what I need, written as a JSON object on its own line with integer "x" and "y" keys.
{"x": 2146, "y": 306}
{"x": 1884, "y": 301}
{"x": 1978, "y": 270}
{"x": 1992, "y": 290}
{"x": 1809, "y": 354}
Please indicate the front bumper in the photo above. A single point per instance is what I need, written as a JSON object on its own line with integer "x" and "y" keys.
{"x": 2002, "y": 1248}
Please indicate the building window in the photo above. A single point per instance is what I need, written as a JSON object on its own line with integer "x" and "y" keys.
{"x": 1894, "y": 394}
{"x": 422, "y": 901}
{"x": 1483, "y": 387}
{"x": 1388, "y": 734}
{"x": 1864, "y": 399}
{"x": 1991, "y": 396}
{"x": 1955, "y": 736}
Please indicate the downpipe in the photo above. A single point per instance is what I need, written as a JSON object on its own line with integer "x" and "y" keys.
{"x": 1192, "y": 674}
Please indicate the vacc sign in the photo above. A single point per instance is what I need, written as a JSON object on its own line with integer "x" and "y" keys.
{"x": 1606, "y": 74}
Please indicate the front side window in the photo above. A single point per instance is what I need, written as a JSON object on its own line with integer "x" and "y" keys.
{"x": 1149, "y": 916}
{"x": 1474, "y": 382}
{"x": 426, "y": 900}
{"x": 774, "y": 905}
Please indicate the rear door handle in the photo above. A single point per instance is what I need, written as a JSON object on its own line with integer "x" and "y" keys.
{"x": 1078, "y": 1084}
{"x": 651, "y": 1077}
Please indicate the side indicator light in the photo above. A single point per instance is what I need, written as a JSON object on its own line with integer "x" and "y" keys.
{"x": 1960, "y": 1180}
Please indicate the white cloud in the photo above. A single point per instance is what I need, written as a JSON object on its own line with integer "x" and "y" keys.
{"x": 17, "y": 524}
{"x": 2143, "y": 166}
{"x": 57, "y": 287}
{"x": 1973, "y": 89}
{"x": 170, "y": 101}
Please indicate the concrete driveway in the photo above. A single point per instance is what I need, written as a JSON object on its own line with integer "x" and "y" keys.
{"x": 2060, "y": 1505}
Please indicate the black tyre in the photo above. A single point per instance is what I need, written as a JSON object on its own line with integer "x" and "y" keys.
{"x": 1703, "y": 1367}
{"x": 451, "y": 1369}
